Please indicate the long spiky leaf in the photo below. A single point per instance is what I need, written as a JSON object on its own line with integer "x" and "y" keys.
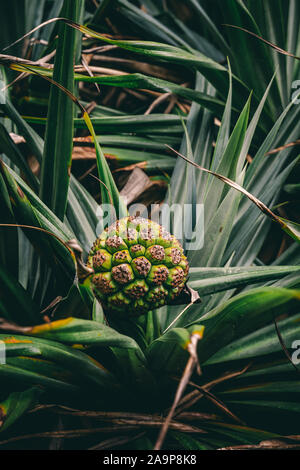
{"x": 289, "y": 227}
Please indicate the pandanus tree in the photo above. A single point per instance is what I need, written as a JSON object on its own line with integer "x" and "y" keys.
{"x": 156, "y": 343}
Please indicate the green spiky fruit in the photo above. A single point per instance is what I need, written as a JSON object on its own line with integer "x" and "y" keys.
{"x": 138, "y": 266}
